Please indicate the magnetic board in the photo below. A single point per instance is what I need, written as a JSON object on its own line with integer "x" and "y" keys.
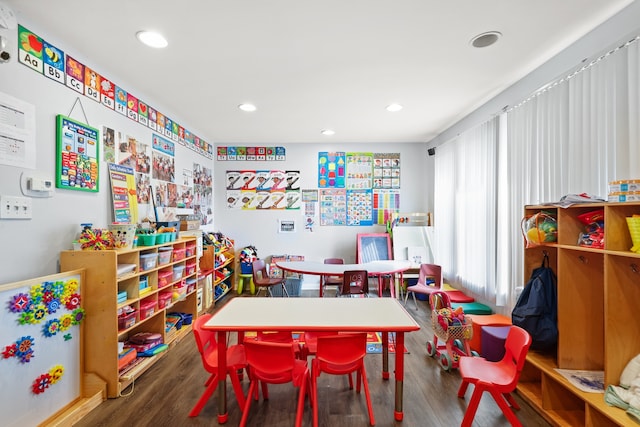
{"x": 373, "y": 247}
{"x": 36, "y": 390}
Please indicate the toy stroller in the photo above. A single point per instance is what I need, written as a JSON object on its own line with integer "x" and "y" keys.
{"x": 452, "y": 328}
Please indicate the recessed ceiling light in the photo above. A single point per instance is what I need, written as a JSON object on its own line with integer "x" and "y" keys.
{"x": 247, "y": 107}
{"x": 152, "y": 39}
{"x": 394, "y": 107}
{"x": 485, "y": 39}
{"x": 327, "y": 132}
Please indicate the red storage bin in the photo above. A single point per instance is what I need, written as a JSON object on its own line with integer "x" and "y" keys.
{"x": 147, "y": 308}
{"x": 126, "y": 320}
{"x": 190, "y": 250}
{"x": 190, "y": 268}
{"x": 179, "y": 254}
{"x": 165, "y": 277}
{"x": 164, "y": 299}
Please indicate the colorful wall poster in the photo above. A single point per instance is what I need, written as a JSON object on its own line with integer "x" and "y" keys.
{"x": 262, "y": 189}
{"x": 359, "y": 207}
{"x": 77, "y": 156}
{"x": 53, "y": 62}
{"x": 30, "y": 49}
{"x": 123, "y": 190}
{"x": 359, "y": 171}
{"x": 331, "y": 170}
{"x": 386, "y": 203}
{"x": 92, "y": 82}
{"x": 293, "y": 180}
{"x": 333, "y": 207}
{"x": 386, "y": 170}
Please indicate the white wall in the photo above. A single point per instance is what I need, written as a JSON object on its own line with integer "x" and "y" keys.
{"x": 259, "y": 228}
{"x": 30, "y": 248}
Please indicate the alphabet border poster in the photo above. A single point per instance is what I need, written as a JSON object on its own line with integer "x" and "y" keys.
{"x": 77, "y": 156}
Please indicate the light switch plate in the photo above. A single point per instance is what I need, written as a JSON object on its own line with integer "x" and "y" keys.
{"x": 14, "y": 207}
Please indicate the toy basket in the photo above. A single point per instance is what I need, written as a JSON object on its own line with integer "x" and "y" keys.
{"x": 633, "y": 222}
{"x": 539, "y": 228}
{"x": 462, "y": 332}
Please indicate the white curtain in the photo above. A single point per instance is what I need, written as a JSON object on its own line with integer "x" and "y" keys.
{"x": 575, "y": 136}
{"x": 465, "y": 209}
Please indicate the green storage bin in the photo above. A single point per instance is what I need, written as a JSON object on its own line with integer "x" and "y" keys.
{"x": 146, "y": 239}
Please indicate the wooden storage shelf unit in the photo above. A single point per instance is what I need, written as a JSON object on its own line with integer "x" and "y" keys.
{"x": 100, "y": 300}
{"x": 224, "y": 272}
{"x": 598, "y": 302}
{"x": 218, "y": 261}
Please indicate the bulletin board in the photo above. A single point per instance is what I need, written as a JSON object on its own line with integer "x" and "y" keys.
{"x": 40, "y": 346}
{"x": 373, "y": 247}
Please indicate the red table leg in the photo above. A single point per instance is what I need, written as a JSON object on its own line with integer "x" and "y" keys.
{"x": 398, "y": 414}
{"x": 385, "y": 355}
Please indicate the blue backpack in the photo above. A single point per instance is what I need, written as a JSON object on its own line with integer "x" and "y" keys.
{"x": 536, "y": 310}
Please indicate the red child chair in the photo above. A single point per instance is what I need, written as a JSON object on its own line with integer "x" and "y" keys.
{"x": 208, "y": 348}
{"x": 340, "y": 354}
{"x": 274, "y": 363}
{"x": 426, "y": 270}
{"x": 498, "y": 378}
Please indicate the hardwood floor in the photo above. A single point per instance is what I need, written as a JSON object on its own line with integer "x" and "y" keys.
{"x": 165, "y": 394}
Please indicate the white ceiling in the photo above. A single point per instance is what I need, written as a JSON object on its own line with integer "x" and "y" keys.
{"x": 310, "y": 65}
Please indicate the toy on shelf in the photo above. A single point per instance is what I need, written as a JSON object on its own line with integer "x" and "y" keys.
{"x": 633, "y": 222}
{"x": 247, "y": 255}
{"x": 593, "y": 236}
{"x": 95, "y": 239}
{"x": 452, "y": 328}
{"x": 539, "y": 228}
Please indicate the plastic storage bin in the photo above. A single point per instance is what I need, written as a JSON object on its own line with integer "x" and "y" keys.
{"x": 126, "y": 320}
{"x": 190, "y": 268}
{"x": 164, "y": 299}
{"x": 146, "y": 239}
{"x": 190, "y": 250}
{"x": 179, "y": 292}
{"x": 191, "y": 284}
{"x": 147, "y": 308}
{"x": 164, "y": 255}
{"x": 178, "y": 271}
{"x": 148, "y": 261}
{"x": 165, "y": 277}
{"x": 179, "y": 254}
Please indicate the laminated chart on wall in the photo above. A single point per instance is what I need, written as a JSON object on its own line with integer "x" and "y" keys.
{"x": 386, "y": 203}
{"x": 386, "y": 170}
{"x": 359, "y": 171}
{"x": 123, "y": 194}
{"x": 359, "y": 207}
{"x": 77, "y": 155}
{"x": 263, "y": 189}
{"x": 331, "y": 170}
{"x": 333, "y": 207}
